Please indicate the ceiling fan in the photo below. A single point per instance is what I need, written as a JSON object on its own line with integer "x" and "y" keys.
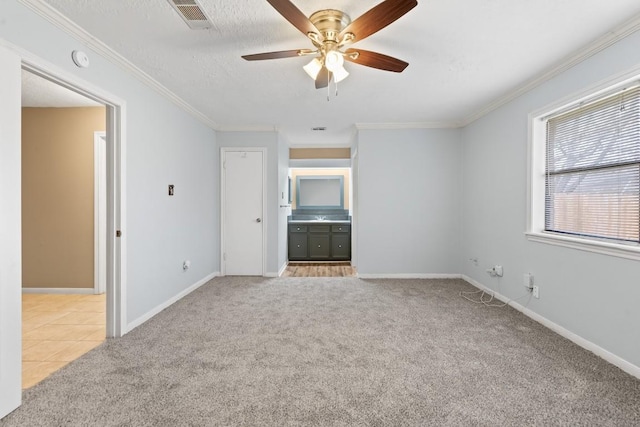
{"x": 331, "y": 31}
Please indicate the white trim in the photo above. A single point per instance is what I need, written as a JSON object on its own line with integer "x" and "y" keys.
{"x": 407, "y": 276}
{"x": 223, "y": 151}
{"x": 246, "y": 128}
{"x": 626, "y": 366}
{"x": 99, "y": 212}
{"x": 80, "y": 291}
{"x": 65, "y": 24}
{"x": 536, "y": 159}
{"x": 116, "y": 177}
{"x": 271, "y": 274}
{"x": 611, "y": 37}
{"x": 282, "y": 269}
{"x": 149, "y": 314}
{"x": 410, "y": 125}
{"x": 596, "y": 246}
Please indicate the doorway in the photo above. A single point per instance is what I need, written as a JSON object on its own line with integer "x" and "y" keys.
{"x": 63, "y": 226}
{"x": 12, "y": 60}
{"x": 243, "y": 211}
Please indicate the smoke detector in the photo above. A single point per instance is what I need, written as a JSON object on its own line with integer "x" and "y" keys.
{"x": 192, "y": 13}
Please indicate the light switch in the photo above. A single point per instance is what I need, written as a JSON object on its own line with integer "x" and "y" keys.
{"x": 171, "y": 190}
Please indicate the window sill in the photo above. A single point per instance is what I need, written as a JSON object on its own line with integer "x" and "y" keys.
{"x": 600, "y": 247}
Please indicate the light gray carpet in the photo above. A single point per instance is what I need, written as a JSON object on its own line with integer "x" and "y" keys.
{"x": 334, "y": 351}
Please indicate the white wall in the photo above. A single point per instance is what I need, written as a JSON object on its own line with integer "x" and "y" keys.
{"x": 594, "y": 296}
{"x": 10, "y": 234}
{"x": 408, "y": 196}
{"x": 270, "y": 141}
{"x": 164, "y": 145}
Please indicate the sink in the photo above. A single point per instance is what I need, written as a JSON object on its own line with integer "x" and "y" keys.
{"x": 319, "y": 221}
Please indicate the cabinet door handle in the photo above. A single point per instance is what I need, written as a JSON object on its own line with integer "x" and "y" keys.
{"x": 339, "y": 246}
{"x": 318, "y": 245}
{"x": 339, "y": 228}
{"x": 258, "y": 220}
{"x": 298, "y": 245}
{"x": 298, "y": 228}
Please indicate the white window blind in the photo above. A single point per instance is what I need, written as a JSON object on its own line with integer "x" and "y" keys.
{"x": 592, "y": 179}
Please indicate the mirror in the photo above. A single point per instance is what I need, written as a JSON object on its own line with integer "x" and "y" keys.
{"x": 320, "y": 192}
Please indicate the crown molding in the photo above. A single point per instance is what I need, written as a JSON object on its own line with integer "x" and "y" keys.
{"x": 601, "y": 43}
{"x": 409, "y": 125}
{"x": 59, "y": 20}
{"x": 246, "y": 128}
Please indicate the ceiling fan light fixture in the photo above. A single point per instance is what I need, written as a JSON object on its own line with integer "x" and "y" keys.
{"x": 340, "y": 74}
{"x": 334, "y": 61}
{"x": 313, "y": 68}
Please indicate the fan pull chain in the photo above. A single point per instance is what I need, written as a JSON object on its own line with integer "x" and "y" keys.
{"x": 328, "y": 84}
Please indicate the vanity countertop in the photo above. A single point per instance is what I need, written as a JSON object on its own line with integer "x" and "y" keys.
{"x": 319, "y": 221}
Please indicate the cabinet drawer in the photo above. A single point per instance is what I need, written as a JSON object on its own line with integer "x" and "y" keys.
{"x": 319, "y": 247}
{"x": 297, "y": 229}
{"x": 319, "y": 228}
{"x": 298, "y": 246}
{"x": 341, "y": 246}
{"x": 340, "y": 228}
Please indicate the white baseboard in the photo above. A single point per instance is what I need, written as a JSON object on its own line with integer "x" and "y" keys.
{"x": 271, "y": 274}
{"x": 407, "y": 276}
{"x": 148, "y": 315}
{"x": 83, "y": 291}
{"x": 626, "y": 366}
{"x": 282, "y": 269}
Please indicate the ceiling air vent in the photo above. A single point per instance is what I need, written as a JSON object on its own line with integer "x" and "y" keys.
{"x": 192, "y": 13}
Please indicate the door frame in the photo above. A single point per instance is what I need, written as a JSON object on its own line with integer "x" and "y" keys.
{"x": 99, "y": 212}
{"x": 265, "y": 222}
{"x": 115, "y": 180}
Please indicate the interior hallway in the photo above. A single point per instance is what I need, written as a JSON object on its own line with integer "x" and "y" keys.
{"x": 57, "y": 329}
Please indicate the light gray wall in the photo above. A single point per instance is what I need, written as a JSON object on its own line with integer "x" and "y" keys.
{"x": 594, "y": 296}
{"x": 408, "y": 195}
{"x": 164, "y": 145}
{"x": 283, "y": 200}
{"x": 270, "y": 141}
{"x": 355, "y": 200}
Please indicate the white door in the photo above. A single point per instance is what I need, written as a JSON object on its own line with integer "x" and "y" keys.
{"x": 243, "y": 222}
{"x": 10, "y": 234}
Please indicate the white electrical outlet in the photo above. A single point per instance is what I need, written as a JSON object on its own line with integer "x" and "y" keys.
{"x": 536, "y": 291}
{"x": 498, "y": 270}
{"x": 527, "y": 281}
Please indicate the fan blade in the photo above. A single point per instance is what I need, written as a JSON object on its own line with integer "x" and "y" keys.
{"x": 272, "y": 55}
{"x": 376, "y": 60}
{"x": 378, "y": 17}
{"x": 323, "y": 78}
{"x": 292, "y": 14}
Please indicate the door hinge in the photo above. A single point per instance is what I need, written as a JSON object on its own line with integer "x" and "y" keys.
{"x": 118, "y": 233}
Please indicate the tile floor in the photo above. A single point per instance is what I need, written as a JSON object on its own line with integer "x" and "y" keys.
{"x": 57, "y": 329}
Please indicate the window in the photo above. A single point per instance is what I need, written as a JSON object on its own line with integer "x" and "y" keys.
{"x": 588, "y": 166}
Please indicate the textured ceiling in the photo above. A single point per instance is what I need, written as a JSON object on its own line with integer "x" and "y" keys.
{"x": 39, "y": 92}
{"x": 463, "y": 55}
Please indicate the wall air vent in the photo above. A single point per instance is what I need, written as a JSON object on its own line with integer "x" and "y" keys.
{"x": 192, "y": 13}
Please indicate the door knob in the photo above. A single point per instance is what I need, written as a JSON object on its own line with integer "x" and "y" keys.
{"x": 258, "y": 220}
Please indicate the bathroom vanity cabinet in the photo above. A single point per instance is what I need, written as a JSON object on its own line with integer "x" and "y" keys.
{"x": 325, "y": 241}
